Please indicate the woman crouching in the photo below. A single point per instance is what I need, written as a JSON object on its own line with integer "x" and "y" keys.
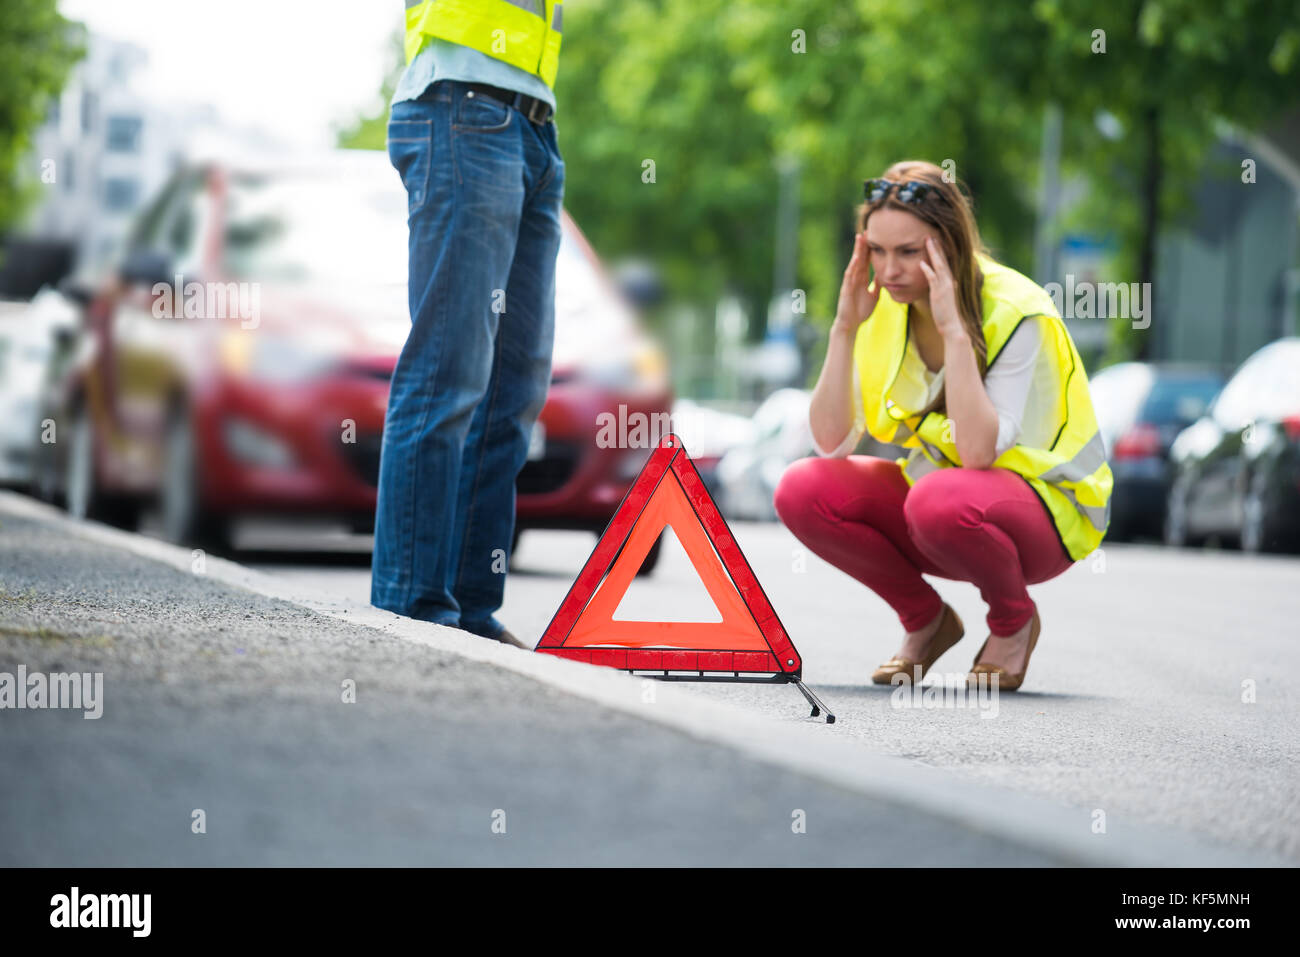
{"x": 939, "y": 349}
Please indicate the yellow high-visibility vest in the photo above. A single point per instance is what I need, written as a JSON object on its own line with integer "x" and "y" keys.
{"x": 1059, "y": 451}
{"x": 523, "y": 33}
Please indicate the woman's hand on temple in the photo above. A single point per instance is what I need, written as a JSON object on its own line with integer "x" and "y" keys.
{"x": 943, "y": 294}
{"x": 858, "y": 297}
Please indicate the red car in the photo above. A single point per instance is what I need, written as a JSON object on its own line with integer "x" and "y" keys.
{"x": 237, "y": 360}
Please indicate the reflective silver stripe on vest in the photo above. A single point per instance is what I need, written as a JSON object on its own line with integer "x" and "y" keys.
{"x": 905, "y": 432}
{"x": 935, "y": 452}
{"x": 413, "y": 3}
{"x": 917, "y": 465}
{"x": 1086, "y": 461}
{"x": 555, "y": 18}
{"x": 1098, "y": 517}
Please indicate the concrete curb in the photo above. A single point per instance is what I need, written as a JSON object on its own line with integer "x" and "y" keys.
{"x": 810, "y": 747}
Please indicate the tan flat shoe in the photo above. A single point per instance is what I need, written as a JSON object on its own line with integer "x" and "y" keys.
{"x": 945, "y": 636}
{"x": 1006, "y": 680}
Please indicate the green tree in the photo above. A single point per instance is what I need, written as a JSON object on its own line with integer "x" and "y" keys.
{"x": 1170, "y": 71}
{"x": 370, "y": 130}
{"x": 38, "y": 48}
{"x": 852, "y": 87}
{"x": 714, "y": 91}
{"x": 666, "y": 152}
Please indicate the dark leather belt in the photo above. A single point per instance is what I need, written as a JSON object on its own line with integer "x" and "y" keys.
{"x": 538, "y": 111}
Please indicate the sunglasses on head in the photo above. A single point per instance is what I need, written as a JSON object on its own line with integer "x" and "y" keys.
{"x": 914, "y": 191}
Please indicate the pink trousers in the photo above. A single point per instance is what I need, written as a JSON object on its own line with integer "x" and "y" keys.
{"x": 985, "y": 526}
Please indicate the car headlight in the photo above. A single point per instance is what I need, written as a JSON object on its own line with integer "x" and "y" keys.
{"x": 255, "y": 446}
{"x": 276, "y": 359}
{"x": 631, "y": 464}
{"x": 644, "y": 369}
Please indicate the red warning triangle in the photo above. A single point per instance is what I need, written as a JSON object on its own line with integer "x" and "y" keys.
{"x": 669, "y": 492}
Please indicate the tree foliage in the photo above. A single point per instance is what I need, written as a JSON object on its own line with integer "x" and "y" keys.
{"x": 715, "y": 91}
{"x": 38, "y": 48}
{"x": 1171, "y": 70}
{"x": 370, "y": 130}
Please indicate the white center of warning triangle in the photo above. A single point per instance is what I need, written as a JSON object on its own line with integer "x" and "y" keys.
{"x": 690, "y": 599}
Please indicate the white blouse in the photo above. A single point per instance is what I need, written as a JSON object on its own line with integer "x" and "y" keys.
{"x": 1007, "y": 384}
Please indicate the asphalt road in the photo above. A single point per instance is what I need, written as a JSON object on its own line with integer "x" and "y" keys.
{"x": 223, "y": 701}
{"x": 1134, "y": 705}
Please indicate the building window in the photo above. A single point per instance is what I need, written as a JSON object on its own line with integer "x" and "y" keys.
{"x": 89, "y": 105}
{"x": 120, "y": 194}
{"x": 123, "y": 134}
{"x": 69, "y": 172}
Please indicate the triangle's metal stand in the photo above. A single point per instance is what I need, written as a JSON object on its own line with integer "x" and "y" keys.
{"x": 818, "y": 706}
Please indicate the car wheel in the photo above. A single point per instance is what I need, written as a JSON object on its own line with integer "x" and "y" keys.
{"x": 46, "y": 478}
{"x": 1257, "y": 528}
{"x": 651, "y": 560}
{"x": 1176, "y": 534}
{"x": 651, "y": 557}
{"x": 514, "y": 544}
{"x": 183, "y": 519}
{"x": 84, "y": 498}
{"x": 79, "y": 468}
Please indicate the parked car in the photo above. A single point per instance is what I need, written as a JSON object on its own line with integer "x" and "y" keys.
{"x": 214, "y": 414}
{"x": 605, "y": 371}
{"x": 749, "y": 472}
{"x": 1141, "y": 407}
{"x": 707, "y": 434}
{"x": 30, "y": 336}
{"x": 1237, "y": 469}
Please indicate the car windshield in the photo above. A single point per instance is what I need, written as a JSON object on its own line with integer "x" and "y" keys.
{"x": 1182, "y": 398}
{"x": 348, "y": 228}
{"x": 1277, "y": 380}
{"x": 1117, "y": 394}
{"x": 1266, "y": 386}
{"x": 591, "y": 319}
{"x": 338, "y": 227}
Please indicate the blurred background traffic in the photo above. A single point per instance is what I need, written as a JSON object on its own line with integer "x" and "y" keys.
{"x": 234, "y": 156}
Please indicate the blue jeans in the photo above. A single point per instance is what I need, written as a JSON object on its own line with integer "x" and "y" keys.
{"x": 484, "y": 188}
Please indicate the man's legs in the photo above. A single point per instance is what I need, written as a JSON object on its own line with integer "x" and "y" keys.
{"x": 498, "y": 439}
{"x": 463, "y": 168}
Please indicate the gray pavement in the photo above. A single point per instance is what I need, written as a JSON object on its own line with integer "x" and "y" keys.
{"x": 1133, "y": 705}
{"x": 221, "y": 700}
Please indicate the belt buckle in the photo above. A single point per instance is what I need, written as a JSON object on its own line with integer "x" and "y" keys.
{"x": 536, "y": 106}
